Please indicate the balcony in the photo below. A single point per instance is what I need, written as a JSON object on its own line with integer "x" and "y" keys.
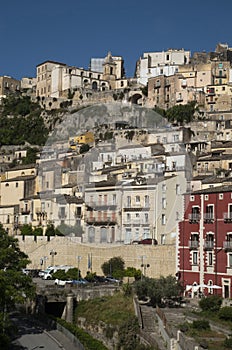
{"x": 210, "y": 92}
{"x": 62, "y": 216}
{"x": 101, "y": 205}
{"x": 183, "y": 83}
{"x": 25, "y": 211}
{"x": 194, "y": 218}
{"x": 227, "y": 245}
{"x": 227, "y": 217}
{"x": 208, "y": 245}
{"x": 101, "y": 221}
{"x": 208, "y": 218}
{"x": 157, "y": 85}
{"x": 219, "y": 75}
{"x": 193, "y": 244}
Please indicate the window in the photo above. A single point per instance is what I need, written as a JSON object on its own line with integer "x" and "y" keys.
{"x": 230, "y": 259}
{"x": 146, "y": 217}
{"x": 163, "y": 219}
{"x": 167, "y": 57}
{"x": 163, "y": 203}
{"x": 195, "y": 258}
{"x": 192, "y": 198}
{"x": 17, "y": 184}
{"x": 210, "y": 259}
{"x": 206, "y": 197}
{"x": 162, "y": 239}
{"x": 220, "y": 196}
{"x": 128, "y": 200}
{"x": 137, "y": 199}
{"x": 163, "y": 188}
{"x": 146, "y": 201}
{"x": 177, "y": 189}
{"x": 128, "y": 217}
{"x": 114, "y": 199}
{"x": 209, "y": 212}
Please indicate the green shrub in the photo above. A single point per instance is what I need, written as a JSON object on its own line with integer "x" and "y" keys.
{"x": 201, "y": 324}
{"x": 225, "y": 313}
{"x": 211, "y": 303}
{"x": 86, "y": 340}
{"x": 227, "y": 343}
{"x": 184, "y": 327}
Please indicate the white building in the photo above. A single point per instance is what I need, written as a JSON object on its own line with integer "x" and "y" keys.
{"x": 152, "y": 64}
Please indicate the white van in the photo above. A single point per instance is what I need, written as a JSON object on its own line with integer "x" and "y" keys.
{"x": 52, "y": 269}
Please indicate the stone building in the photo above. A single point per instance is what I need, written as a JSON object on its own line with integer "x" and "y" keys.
{"x": 9, "y": 85}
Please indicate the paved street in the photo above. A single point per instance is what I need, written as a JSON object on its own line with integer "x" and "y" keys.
{"x": 33, "y": 335}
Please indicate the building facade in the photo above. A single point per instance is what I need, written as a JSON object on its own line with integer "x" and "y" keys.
{"x": 205, "y": 241}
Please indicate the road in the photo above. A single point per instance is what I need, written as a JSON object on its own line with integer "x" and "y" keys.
{"x": 32, "y": 335}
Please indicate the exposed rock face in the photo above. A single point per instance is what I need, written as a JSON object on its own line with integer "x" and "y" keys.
{"x": 95, "y": 115}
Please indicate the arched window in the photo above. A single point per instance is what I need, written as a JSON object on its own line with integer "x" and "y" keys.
{"x": 91, "y": 234}
{"x": 94, "y": 85}
{"x": 103, "y": 235}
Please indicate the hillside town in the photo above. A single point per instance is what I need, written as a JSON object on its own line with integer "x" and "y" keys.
{"x": 138, "y": 167}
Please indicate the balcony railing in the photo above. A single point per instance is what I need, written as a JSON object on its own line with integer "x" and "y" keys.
{"x": 62, "y": 216}
{"x": 194, "y": 218}
{"x": 227, "y": 217}
{"x": 227, "y": 245}
{"x": 193, "y": 244}
{"x": 208, "y": 218}
{"x": 25, "y": 211}
{"x": 101, "y": 221}
{"x": 208, "y": 245}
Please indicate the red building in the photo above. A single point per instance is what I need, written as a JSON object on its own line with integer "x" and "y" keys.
{"x": 204, "y": 244}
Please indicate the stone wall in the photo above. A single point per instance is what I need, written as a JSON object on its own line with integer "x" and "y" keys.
{"x": 162, "y": 259}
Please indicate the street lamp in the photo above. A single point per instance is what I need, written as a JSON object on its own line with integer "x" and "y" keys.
{"x": 78, "y": 266}
{"x": 52, "y": 253}
{"x": 144, "y": 266}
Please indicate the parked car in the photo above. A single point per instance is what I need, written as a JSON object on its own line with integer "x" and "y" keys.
{"x": 41, "y": 273}
{"x": 112, "y": 279}
{"x": 100, "y": 279}
{"x": 62, "y": 282}
{"x": 80, "y": 281}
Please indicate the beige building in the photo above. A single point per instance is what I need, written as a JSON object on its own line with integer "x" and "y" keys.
{"x": 55, "y": 79}
{"x": 165, "y": 92}
{"x": 43, "y": 77}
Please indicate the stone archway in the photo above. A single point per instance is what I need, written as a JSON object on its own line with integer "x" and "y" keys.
{"x": 135, "y": 98}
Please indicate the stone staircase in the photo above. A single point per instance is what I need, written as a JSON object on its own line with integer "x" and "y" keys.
{"x": 150, "y": 329}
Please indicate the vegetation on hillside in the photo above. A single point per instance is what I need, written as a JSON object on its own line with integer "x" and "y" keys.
{"x": 21, "y": 121}
{"x": 15, "y": 286}
{"x": 179, "y": 114}
{"x": 158, "y": 288}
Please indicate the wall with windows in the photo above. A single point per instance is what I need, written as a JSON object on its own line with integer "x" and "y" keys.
{"x": 205, "y": 239}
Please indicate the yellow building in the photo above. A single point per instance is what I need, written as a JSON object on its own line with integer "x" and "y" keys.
{"x": 88, "y": 137}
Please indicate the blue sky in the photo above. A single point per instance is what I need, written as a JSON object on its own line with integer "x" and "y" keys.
{"x": 73, "y": 31}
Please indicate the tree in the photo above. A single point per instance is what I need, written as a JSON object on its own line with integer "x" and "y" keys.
{"x": 158, "y": 288}
{"x": 211, "y": 303}
{"x": 31, "y": 156}
{"x": 26, "y": 230}
{"x": 180, "y": 114}
{"x": 114, "y": 267}
{"x": 50, "y": 230}
{"x": 84, "y": 148}
{"x": 133, "y": 272}
{"x": 15, "y": 286}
